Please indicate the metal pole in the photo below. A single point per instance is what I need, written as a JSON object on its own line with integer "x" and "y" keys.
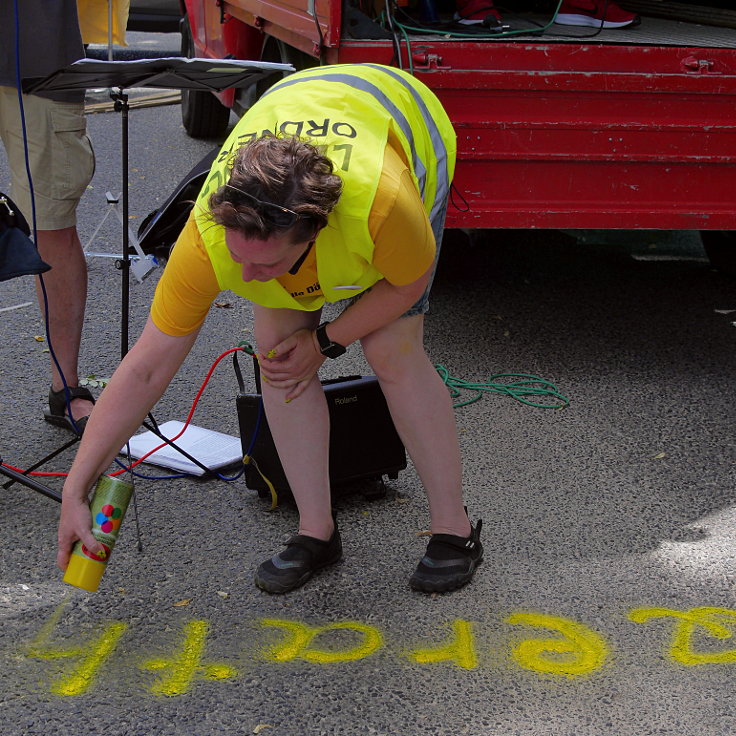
{"x": 109, "y": 30}
{"x": 121, "y": 104}
{"x": 126, "y": 238}
{"x": 30, "y": 483}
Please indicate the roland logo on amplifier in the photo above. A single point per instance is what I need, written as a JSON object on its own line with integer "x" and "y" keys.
{"x": 345, "y": 399}
{"x": 364, "y": 444}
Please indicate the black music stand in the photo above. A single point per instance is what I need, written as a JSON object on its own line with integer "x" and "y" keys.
{"x": 213, "y": 75}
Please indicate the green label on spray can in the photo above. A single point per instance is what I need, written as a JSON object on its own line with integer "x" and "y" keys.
{"x": 108, "y": 506}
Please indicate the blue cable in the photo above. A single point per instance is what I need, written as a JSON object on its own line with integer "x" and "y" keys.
{"x": 191, "y": 475}
{"x": 52, "y": 352}
{"x": 21, "y": 107}
{"x": 149, "y": 477}
{"x": 217, "y": 475}
{"x": 250, "y": 447}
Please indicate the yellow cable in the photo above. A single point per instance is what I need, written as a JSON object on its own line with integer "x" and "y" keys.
{"x": 274, "y": 496}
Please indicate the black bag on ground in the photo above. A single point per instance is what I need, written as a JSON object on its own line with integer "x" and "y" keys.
{"x": 364, "y": 444}
{"x": 160, "y": 229}
{"x": 18, "y": 254}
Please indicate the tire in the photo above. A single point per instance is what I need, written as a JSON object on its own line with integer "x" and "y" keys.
{"x": 279, "y": 53}
{"x": 202, "y": 114}
{"x": 720, "y": 247}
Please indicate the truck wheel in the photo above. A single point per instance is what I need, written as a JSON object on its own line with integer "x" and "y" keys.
{"x": 720, "y": 246}
{"x": 202, "y": 114}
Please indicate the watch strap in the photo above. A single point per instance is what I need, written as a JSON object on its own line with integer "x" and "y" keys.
{"x": 327, "y": 347}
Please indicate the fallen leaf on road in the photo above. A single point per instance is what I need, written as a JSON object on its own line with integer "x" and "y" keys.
{"x": 262, "y": 727}
{"x": 659, "y": 456}
{"x": 185, "y": 602}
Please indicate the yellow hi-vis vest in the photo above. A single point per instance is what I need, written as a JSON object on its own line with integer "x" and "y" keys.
{"x": 348, "y": 110}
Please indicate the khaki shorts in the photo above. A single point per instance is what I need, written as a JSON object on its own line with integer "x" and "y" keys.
{"x": 60, "y": 154}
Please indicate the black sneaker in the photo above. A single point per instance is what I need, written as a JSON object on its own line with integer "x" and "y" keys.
{"x": 302, "y": 557}
{"x": 449, "y": 562}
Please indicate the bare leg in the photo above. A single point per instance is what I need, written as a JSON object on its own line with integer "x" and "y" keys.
{"x": 422, "y": 411}
{"x": 300, "y": 429}
{"x": 66, "y": 289}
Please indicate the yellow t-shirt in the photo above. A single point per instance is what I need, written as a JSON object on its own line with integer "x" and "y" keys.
{"x": 398, "y": 225}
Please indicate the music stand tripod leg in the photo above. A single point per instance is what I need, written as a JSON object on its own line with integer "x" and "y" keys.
{"x": 31, "y": 483}
{"x": 123, "y": 264}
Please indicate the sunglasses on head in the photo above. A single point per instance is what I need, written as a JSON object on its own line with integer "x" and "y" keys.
{"x": 277, "y": 215}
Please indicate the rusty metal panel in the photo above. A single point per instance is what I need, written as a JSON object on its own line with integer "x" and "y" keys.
{"x": 563, "y": 134}
{"x": 556, "y": 136}
{"x": 304, "y": 24}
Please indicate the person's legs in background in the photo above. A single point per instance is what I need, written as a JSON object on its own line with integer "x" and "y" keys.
{"x": 595, "y": 14}
{"x": 61, "y": 162}
{"x": 589, "y": 13}
{"x": 66, "y": 292}
{"x": 477, "y": 13}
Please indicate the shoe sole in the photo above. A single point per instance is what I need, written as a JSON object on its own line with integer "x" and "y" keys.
{"x": 65, "y": 423}
{"x": 273, "y": 586}
{"x": 424, "y": 585}
{"x": 570, "y": 19}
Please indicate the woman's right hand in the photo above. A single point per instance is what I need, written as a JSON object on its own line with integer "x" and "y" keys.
{"x": 75, "y": 523}
{"x": 137, "y": 384}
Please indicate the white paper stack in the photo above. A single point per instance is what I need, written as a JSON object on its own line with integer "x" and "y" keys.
{"x": 213, "y": 449}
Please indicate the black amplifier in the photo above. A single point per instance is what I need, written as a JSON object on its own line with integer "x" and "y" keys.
{"x": 364, "y": 444}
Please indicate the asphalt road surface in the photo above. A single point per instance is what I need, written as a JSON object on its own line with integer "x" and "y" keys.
{"x": 605, "y": 604}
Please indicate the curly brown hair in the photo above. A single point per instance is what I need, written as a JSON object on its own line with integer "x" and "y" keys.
{"x": 284, "y": 172}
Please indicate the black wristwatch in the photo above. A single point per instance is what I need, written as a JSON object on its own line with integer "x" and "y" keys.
{"x": 328, "y": 348}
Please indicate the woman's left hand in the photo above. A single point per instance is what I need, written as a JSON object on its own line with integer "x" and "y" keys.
{"x": 292, "y": 363}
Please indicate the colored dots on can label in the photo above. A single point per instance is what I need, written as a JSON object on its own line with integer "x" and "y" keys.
{"x": 109, "y": 518}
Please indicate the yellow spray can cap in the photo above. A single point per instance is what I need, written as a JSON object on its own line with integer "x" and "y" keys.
{"x": 84, "y": 573}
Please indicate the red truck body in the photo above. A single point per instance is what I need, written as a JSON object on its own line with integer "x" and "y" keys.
{"x": 623, "y": 130}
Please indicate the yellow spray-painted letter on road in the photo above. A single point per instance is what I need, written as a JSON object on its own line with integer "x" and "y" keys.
{"x": 578, "y": 651}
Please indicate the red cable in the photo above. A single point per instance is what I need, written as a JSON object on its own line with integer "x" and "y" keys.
{"x": 23, "y": 472}
{"x": 188, "y": 420}
{"x": 163, "y": 444}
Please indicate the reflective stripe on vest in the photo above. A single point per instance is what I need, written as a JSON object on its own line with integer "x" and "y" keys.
{"x": 344, "y": 248}
{"x": 438, "y": 142}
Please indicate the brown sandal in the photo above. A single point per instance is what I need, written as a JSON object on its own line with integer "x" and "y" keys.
{"x": 57, "y": 412}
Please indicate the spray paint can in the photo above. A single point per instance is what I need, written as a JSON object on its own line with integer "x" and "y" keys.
{"x": 108, "y": 506}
